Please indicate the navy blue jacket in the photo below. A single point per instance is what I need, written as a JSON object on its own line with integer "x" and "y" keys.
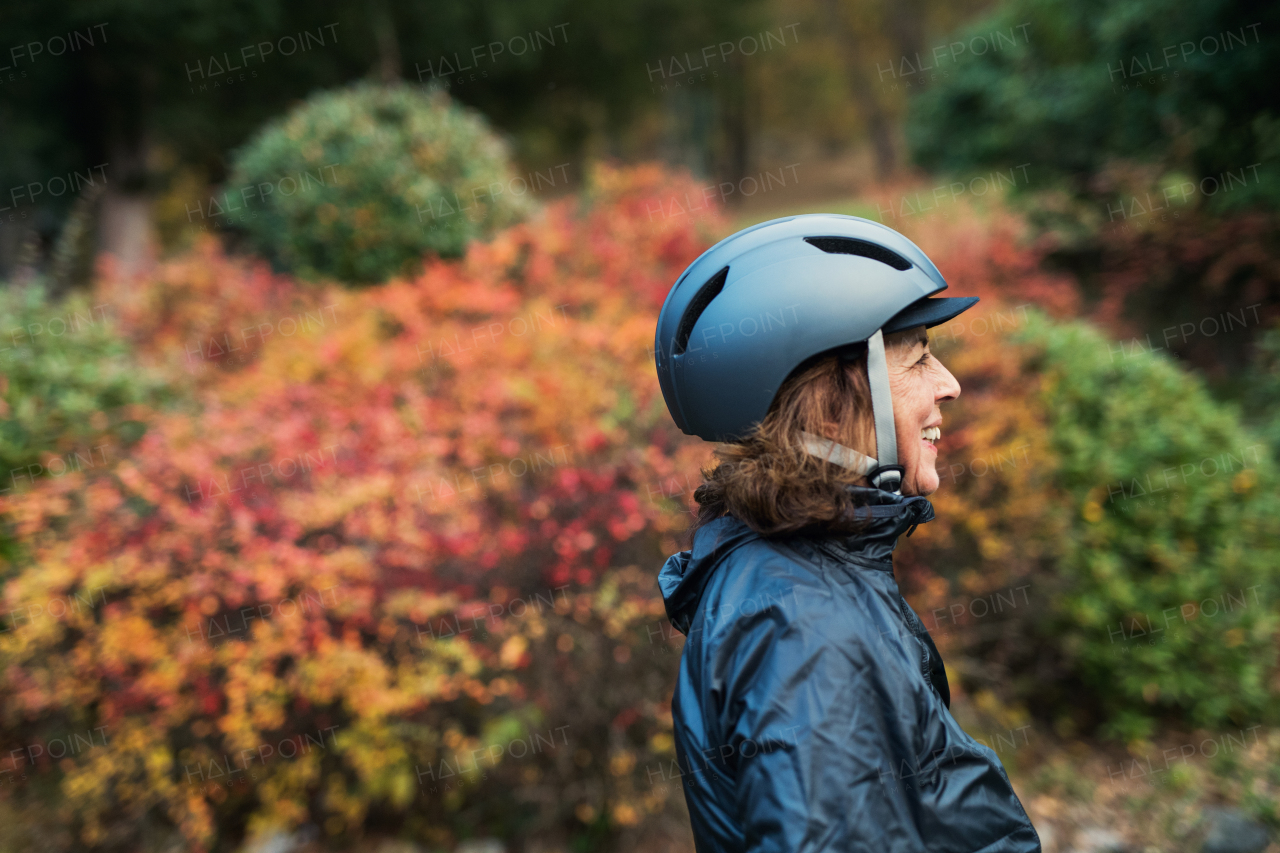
{"x": 811, "y": 711}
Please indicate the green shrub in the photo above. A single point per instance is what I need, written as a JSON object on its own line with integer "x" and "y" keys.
{"x": 67, "y": 389}
{"x": 1262, "y": 389}
{"x": 1171, "y": 596}
{"x": 360, "y": 183}
{"x": 1112, "y": 532}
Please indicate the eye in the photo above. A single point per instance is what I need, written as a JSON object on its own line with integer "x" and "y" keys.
{"x": 924, "y": 358}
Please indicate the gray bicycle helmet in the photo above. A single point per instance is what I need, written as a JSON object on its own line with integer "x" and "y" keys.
{"x": 758, "y": 304}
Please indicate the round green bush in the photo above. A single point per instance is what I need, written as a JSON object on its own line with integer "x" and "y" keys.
{"x": 359, "y": 184}
{"x": 1167, "y": 579}
{"x": 1123, "y": 557}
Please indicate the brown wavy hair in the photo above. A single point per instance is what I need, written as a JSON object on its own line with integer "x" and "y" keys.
{"x": 769, "y": 482}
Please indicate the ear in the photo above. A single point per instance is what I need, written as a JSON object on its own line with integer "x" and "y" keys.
{"x": 830, "y": 431}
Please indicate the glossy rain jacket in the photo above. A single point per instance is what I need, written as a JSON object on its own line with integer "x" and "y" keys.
{"x": 811, "y": 711}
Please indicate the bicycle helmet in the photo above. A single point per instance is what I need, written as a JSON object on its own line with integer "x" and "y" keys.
{"x": 758, "y": 304}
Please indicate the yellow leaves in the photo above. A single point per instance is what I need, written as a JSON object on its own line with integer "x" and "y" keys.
{"x": 625, "y": 814}
{"x": 402, "y": 789}
{"x": 621, "y": 763}
{"x": 127, "y": 639}
{"x": 1006, "y": 716}
{"x": 30, "y": 514}
{"x": 301, "y": 370}
{"x": 137, "y": 483}
{"x": 521, "y": 388}
{"x": 512, "y": 651}
{"x": 159, "y": 761}
{"x": 993, "y": 547}
{"x": 315, "y": 510}
{"x": 662, "y": 743}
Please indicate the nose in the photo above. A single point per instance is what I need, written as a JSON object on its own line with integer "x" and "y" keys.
{"x": 947, "y": 387}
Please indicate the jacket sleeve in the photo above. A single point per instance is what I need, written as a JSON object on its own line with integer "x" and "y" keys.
{"x": 822, "y": 728}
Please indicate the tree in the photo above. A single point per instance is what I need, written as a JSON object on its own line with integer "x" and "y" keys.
{"x": 1183, "y": 86}
{"x": 116, "y": 83}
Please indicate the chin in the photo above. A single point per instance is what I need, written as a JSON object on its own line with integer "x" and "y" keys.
{"x": 921, "y": 489}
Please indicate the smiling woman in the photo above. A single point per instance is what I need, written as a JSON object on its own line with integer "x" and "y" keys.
{"x": 919, "y": 383}
{"x": 829, "y": 448}
{"x": 775, "y": 484}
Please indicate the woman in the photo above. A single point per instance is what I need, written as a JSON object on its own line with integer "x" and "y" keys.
{"x": 811, "y": 711}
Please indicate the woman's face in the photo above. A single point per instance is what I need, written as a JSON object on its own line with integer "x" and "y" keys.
{"x": 919, "y": 383}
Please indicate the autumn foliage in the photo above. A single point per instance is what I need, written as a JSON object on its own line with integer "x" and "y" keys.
{"x": 354, "y": 472}
{"x": 389, "y": 567}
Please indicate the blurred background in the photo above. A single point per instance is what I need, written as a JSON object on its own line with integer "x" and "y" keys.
{"x": 335, "y": 476}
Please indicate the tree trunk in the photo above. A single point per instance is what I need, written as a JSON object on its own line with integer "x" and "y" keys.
{"x": 735, "y": 124}
{"x": 879, "y": 126}
{"x": 384, "y": 33}
{"x": 125, "y": 229}
{"x": 125, "y": 232}
{"x": 906, "y": 26}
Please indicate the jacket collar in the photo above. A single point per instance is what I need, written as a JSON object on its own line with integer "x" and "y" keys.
{"x": 685, "y": 574}
{"x": 887, "y": 516}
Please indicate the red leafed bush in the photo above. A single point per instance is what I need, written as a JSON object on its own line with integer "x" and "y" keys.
{"x": 277, "y": 564}
{"x": 1200, "y": 287}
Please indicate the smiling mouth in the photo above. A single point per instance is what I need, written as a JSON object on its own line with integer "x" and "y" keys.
{"x": 929, "y": 435}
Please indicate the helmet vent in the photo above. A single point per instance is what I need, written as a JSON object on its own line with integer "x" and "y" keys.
{"x": 850, "y": 246}
{"x": 700, "y": 301}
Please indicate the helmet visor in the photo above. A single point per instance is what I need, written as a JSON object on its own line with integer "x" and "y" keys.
{"x": 928, "y": 312}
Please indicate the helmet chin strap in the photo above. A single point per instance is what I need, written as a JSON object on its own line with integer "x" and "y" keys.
{"x": 884, "y": 473}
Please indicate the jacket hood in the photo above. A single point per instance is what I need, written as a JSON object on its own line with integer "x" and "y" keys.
{"x": 685, "y": 574}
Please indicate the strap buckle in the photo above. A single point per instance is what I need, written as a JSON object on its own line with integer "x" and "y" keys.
{"x": 888, "y": 477}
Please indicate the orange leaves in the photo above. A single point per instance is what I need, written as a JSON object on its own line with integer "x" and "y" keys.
{"x": 354, "y": 470}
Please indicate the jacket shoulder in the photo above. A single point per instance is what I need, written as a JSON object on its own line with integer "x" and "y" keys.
{"x": 764, "y": 565}
{"x": 771, "y": 585}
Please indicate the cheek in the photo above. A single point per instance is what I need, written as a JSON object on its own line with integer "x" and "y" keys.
{"x": 916, "y": 402}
